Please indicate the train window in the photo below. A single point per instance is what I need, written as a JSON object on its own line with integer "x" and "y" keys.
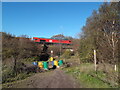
{"x": 42, "y": 40}
{"x": 50, "y": 40}
{"x": 69, "y": 41}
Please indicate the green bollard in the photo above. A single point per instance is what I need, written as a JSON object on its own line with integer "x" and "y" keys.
{"x": 60, "y": 62}
{"x": 45, "y": 65}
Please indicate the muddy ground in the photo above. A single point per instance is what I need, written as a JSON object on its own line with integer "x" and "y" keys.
{"x": 51, "y": 79}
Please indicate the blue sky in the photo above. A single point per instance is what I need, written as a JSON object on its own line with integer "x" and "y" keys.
{"x": 45, "y": 19}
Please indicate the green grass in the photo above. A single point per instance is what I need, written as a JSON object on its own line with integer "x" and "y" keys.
{"x": 88, "y": 77}
{"x": 92, "y": 82}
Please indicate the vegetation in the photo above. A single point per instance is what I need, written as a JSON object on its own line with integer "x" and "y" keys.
{"x": 67, "y": 54}
{"x": 101, "y": 33}
{"x": 88, "y": 78}
{"x": 16, "y": 51}
{"x": 10, "y": 75}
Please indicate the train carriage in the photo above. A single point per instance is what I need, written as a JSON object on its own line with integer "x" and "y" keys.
{"x": 51, "y": 40}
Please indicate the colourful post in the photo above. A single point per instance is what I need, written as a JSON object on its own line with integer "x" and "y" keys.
{"x": 56, "y": 63}
{"x": 60, "y": 62}
{"x": 35, "y": 63}
{"x": 45, "y": 65}
{"x": 40, "y": 64}
{"x": 51, "y": 58}
{"x": 52, "y": 63}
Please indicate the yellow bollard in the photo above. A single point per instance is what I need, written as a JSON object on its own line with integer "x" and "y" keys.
{"x": 56, "y": 63}
{"x": 51, "y": 58}
{"x": 40, "y": 64}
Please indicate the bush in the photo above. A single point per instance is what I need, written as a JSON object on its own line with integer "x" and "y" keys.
{"x": 67, "y": 54}
{"x": 8, "y": 73}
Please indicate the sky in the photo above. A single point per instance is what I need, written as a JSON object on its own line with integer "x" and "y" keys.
{"x": 45, "y": 19}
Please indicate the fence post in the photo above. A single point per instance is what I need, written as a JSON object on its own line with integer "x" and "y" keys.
{"x": 115, "y": 68}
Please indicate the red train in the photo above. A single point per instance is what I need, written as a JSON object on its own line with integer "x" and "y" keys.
{"x": 52, "y": 41}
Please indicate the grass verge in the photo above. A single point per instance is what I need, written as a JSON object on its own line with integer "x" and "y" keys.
{"x": 88, "y": 78}
{"x": 19, "y": 77}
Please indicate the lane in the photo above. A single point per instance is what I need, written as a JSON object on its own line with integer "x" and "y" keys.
{"x": 62, "y": 80}
{"x": 52, "y": 79}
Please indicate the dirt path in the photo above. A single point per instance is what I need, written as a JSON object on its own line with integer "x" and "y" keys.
{"x": 52, "y": 79}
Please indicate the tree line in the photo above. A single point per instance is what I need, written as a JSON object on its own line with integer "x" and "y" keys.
{"x": 101, "y": 33}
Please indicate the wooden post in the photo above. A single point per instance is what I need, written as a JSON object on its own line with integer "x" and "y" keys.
{"x": 51, "y": 53}
{"x": 95, "y": 59}
{"x": 115, "y": 68}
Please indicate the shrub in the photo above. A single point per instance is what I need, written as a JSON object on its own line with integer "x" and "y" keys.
{"x": 67, "y": 54}
{"x": 8, "y": 73}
